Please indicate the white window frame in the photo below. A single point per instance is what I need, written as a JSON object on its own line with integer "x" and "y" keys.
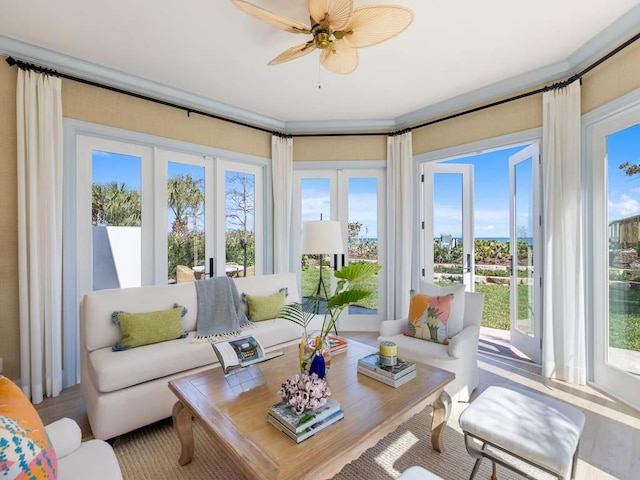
{"x": 76, "y": 218}
{"x": 338, "y": 173}
{"x": 596, "y": 126}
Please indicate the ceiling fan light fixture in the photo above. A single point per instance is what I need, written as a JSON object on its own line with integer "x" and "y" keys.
{"x": 338, "y": 29}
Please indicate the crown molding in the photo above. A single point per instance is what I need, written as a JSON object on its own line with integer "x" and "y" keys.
{"x": 616, "y": 33}
{"x": 108, "y": 76}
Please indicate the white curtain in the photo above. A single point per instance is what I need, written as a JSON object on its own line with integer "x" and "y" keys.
{"x": 564, "y": 337}
{"x": 39, "y": 126}
{"x": 399, "y": 223}
{"x": 282, "y": 178}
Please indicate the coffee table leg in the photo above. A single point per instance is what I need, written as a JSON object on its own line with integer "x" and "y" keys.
{"x": 441, "y": 411}
{"x": 182, "y": 421}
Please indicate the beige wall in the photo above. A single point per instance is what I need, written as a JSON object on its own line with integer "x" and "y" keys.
{"x": 614, "y": 78}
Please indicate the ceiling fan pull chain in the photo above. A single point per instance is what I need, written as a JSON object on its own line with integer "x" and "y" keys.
{"x": 319, "y": 73}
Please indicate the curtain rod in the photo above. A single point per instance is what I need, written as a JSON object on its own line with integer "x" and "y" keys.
{"x": 578, "y": 76}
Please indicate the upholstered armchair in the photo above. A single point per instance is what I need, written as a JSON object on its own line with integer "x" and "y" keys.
{"x": 460, "y": 354}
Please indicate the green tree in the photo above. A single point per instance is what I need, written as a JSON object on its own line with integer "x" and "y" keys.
{"x": 239, "y": 211}
{"x": 115, "y": 204}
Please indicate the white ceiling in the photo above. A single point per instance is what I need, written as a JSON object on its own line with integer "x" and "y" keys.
{"x": 209, "y": 54}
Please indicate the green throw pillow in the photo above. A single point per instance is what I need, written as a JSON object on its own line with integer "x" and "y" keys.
{"x": 267, "y": 307}
{"x": 149, "y": 327}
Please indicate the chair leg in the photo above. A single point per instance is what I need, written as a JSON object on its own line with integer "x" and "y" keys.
{"x": 494, "y": 475}
{"x": 476, "y": 465}
{"x": 574, "y": 464}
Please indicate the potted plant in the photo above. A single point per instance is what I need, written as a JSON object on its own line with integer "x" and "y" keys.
{"x": 347, "y": 293}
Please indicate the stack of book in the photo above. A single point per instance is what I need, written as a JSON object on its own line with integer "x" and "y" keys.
{"x": 337, "y": 344}
{"x": 301, "y": 427}
{"x": 395, "y": 375}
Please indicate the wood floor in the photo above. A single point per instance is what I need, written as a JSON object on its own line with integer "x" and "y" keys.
{"x": 610, "y": 444}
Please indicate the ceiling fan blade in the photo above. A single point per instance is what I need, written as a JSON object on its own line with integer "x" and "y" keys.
{"x": 374, "y": 24}
{"x": 294, "y": 52}
{"x": 339, "y": 58}
{"x": 283, "y": 23}
{"x": 338, "y": 12}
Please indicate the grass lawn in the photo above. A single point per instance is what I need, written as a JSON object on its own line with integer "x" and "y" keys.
{"x": 624, "y": 324}
{"x": 310, "y": 279}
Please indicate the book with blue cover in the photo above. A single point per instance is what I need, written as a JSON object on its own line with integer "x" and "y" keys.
{"x": 298, "y": 423}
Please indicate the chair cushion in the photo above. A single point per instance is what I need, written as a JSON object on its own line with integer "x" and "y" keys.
{"x": 455, "y": 322}
{"x": 428, "y": 317}
{"x": 94, "y": 459}
{"x": 25, "y": 448}
{"x": 535, "y": 427}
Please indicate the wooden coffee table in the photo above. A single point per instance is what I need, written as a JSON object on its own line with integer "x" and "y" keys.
{"x": 236, "y": 414}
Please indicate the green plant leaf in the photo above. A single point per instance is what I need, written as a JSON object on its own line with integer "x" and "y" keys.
{"x": 294, "y": 312}
{"x": 348, "y": 297}
{"x": 357, "y": 272}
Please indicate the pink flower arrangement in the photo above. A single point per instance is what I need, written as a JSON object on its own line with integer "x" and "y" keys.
{"x": 304, "y": 392}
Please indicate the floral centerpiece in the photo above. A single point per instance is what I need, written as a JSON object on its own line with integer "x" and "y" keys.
{"x": 348, "y": 292}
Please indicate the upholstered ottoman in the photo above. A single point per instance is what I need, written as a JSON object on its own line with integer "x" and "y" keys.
{"x": 540, "y": 430}
{"x": 417, "y": 473}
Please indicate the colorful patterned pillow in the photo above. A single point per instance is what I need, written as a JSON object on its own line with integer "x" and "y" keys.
{"x": 25, "y": 449}
{"x": 149, "y": 327}
{"x": 428, "y": 317}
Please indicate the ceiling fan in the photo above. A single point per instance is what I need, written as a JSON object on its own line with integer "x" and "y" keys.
{"x": 338, "y": 29}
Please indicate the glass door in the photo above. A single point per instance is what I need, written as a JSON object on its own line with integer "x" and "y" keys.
{"x": 241, "y": 198}
{"x": 184, "y": 236}
{"x": 355, "y": 197}
{"x": 447, "y": 226}
{"x": 615, "y": 143}
{"x": 361, "y": 201}
{"x": 524, "y": 220}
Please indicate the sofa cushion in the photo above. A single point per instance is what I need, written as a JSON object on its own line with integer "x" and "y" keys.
{"x": 428, "y": 352}
{"x": 116, "y": 370}
{"x": 25, "y": 448}
{"x": 265, "y": 307}
{"x": 455, "y": 322}
{"x": 145, "y": 328}
{"x": 428, "y": 317}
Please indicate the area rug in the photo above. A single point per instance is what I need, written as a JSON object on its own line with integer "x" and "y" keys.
{"x": 152, "y": 453}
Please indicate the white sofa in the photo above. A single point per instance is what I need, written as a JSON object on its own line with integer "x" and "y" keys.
{"x": 128, "y": 389}
{"x": 460, "y": 356}
{"x": 77, "y": 460}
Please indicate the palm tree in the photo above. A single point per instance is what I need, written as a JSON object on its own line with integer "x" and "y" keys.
{"x": 185, "y": 197}
{"x": 115, "y": 204}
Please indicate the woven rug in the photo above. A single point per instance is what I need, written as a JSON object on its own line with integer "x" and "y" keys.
{"x": 152, "y": 453}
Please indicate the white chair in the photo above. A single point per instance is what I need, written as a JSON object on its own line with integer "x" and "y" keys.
{"x": 76, "y": 459}
{"x": 418, "y": 473}
{"x": 460, "y": 356}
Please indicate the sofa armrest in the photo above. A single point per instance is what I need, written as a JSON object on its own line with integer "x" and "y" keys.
{"x": 65, "y": 436}
{"x": 392, "y": 327}
{"x": 465, "y": 341}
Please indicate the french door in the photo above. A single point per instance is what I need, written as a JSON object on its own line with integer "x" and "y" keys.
{"x": 355, "y": 198}
{"x": 524, "y": 242}
{"x": 447, "y": 237}
{"x": 615, "y": 283}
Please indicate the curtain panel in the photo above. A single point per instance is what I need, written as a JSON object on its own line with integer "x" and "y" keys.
{"x": 282, "y": 178}
{"x": 400, "y": 223}
{"x": 39, "y": 128}
{"x": 564, "y": 320}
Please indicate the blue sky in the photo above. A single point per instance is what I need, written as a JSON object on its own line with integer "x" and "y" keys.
{"x": 491, "y": 175}
{"x": 623, "y": 191}
{"x": 362, "y": 202}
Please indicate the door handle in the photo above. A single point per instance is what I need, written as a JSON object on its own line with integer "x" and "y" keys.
{"x": 467, "y": 267}
{"x": 510, "y": 267}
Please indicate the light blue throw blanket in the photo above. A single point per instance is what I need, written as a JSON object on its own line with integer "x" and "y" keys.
{"x": 220, "y": 314}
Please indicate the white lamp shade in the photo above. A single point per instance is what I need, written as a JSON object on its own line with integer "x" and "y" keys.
{"x": 322, "y": 237}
